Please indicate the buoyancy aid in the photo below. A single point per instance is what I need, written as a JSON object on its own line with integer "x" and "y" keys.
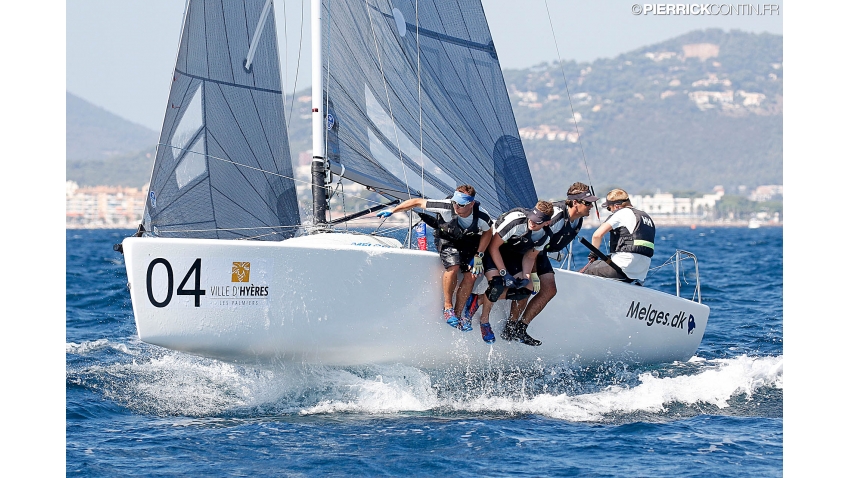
{"x": 522, "y": 244}
{"x": 641, "y": 241}
{"x": 559, "y": 240}
{"x": 453, "y": 231}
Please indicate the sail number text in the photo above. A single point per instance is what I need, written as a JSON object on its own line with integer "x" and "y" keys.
{"x": 194, "y": 270}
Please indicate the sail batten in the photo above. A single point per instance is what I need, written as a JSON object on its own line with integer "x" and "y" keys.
{"x": 224, "y": 159}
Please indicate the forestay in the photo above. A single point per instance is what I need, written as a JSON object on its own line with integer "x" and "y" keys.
{"x": 223, "y": 167}
{"x": 375, "y": 53}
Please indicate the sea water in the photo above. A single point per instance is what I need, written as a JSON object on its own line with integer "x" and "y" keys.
{"x": 134, "y": 409}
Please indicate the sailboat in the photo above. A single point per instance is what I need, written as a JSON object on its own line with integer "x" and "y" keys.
{"x": 408, "y": 100}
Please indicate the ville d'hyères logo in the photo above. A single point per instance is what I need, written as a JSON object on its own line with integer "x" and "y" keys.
{"x": 241, "y": 272}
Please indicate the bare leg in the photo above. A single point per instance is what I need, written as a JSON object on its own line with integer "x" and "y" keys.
{"x": 449, "y": 284}
{"x": 464, "y": 291}
{"x": 539, "y": 300}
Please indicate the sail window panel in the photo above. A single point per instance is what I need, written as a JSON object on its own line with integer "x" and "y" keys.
{"x": 392, "y": 164}
{"x": 382, "y": 120}
{"x": 190, "y": 122}
{"x": 193, "y": 163}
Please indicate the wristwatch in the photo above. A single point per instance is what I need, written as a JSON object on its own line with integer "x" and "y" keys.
{"x": 480, "y": 254}
{"x": 503, "y": 272}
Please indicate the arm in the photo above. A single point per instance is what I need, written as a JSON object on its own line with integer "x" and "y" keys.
{"x": 599, "y": 233}
{"x": 528, "y": 261}
{"x": 410, "y": 204}
{"x": 484, "y": 242}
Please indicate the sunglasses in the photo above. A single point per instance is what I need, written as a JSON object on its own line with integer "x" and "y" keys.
{"x": 461, "y": 205}
{"x": 586, "y": 203}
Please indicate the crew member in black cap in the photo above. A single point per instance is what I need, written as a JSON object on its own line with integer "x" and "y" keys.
{"x": 632, "y": 240}
{"x": 567, "y": 220}
{"x": 510, "y": 257}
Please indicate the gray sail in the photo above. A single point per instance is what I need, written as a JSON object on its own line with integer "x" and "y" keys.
{"x": 373, "y": 65}
{"x": 223, "y": 167}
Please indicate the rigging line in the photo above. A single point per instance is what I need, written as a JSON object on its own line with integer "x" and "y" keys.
{"x": 419, "y": 83}
{"x": 297, "y": 69}
{"x": 564, "y": 75}
{"x": 269, "y": 172}
{"x": 389, "y": 103}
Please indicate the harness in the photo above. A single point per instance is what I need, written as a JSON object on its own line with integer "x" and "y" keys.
{"x": 641, "y": 241}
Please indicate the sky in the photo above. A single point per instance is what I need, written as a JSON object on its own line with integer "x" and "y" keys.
{"x": 120, "y": 54}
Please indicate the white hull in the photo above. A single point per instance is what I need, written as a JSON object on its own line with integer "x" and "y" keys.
{"x": 344, "y": 299}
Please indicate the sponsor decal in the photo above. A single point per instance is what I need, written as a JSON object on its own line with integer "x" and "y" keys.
{"x": 654, "y": 316}
{"x": 205, "y": 282}
{"x": 241, "y": 272}
{"x": 370, "y": 244}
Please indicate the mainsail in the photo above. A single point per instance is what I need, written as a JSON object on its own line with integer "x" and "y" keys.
{"x": 223, "y": 167}
{"x": 377, "y": 55}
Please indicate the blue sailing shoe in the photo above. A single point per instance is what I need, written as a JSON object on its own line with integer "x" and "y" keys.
{"x": 487, "y": 333}
{"x": 465, "y": 324}
{"x": 451, "y": 318}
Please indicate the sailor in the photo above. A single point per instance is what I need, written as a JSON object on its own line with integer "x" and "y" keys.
{"x": 632, "y": 240}
{"x": 519, "y": 237}
{"x": 462, "y": 232}
{"x": 567, "y": 220}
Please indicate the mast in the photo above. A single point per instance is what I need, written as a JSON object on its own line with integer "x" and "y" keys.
{"x": 318, "y": 167}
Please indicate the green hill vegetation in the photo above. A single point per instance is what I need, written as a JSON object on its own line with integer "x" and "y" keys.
{"x": 699, "y": 110}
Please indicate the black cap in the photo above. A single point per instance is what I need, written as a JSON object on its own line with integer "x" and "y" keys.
{"x": 538, "y": 217}
{"x": 583, "y": 196}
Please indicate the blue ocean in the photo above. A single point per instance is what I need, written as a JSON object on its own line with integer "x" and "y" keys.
{"x": 134, "y": 409}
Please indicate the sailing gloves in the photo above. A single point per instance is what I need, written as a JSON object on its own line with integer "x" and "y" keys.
{"x": 592, "y": 257}
{"x": 535, "y": 283}
{"x": 510, "y": 281}
{"x": 384, "y": 214}
{"x": 476, "y": 266}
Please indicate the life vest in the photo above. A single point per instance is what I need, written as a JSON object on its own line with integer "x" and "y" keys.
{"x": 641, "y": 241}
{"x": 452, "y": 231}
{"x": 524, "y": 243}
{"x": 559, "y": 240}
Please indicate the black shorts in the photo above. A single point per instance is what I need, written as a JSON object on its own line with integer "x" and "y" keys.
{"x": 543, "y": 264}
{"x": 512, "y": 260}
{"x": 452, "y": 256}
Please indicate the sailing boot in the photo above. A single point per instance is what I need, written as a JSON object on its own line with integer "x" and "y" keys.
{"x": 523, "y": 336}
{"x": 487, "y": 333}
{"x": 509, "y": 332}
{"x": 451, "y": 318}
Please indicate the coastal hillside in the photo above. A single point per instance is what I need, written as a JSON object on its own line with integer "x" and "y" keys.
{"x": 92, "y": 133}
{"x": 685, "y": 115}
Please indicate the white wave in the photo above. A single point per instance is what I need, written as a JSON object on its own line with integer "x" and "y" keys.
{"x": 725, "y": 379}
{"x": 94, "y": 345}
{"x": 181, "y": 384}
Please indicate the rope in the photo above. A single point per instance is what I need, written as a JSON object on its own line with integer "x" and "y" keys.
{"x": 569, "y": 98}
{"x": 389, "y": 104}
{"x": 268, "y": 172}
{"x": 297, "y": 67}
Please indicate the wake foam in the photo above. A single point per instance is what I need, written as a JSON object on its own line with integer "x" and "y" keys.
{"x": 181, "y": 384}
